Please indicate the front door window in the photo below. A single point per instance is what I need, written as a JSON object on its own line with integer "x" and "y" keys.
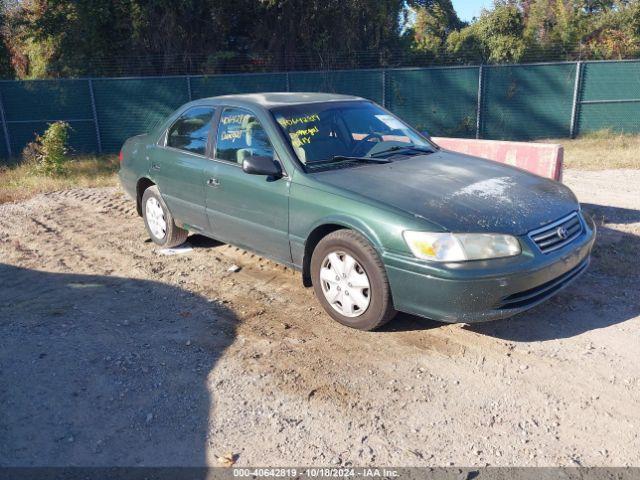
{"x": 240, "y": 134}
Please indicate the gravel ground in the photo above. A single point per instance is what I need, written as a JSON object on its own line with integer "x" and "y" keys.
{"x": 113, "y": 354}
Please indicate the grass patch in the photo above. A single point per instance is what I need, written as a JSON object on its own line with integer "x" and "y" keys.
{"x": 601, "y": 150}
{"x": 19, "y": 182}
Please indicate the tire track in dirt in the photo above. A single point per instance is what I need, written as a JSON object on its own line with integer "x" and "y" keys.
{"x": 79, "y": 238}
{"x": 72, "y": 237}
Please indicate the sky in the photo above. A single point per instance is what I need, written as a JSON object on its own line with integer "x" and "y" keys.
{"x": 467, "y": 9}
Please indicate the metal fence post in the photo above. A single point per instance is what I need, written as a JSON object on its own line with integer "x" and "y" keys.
{"x": 479, "y": 102}
{"x": 574, "y": 106}
{"x": 189, "y": 87}
{"x": 7, "y": 138}
{"x": 95, "y": 115}
{"x": 384, "y": 88}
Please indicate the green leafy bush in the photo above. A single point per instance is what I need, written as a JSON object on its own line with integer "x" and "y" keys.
{"x": 48, "y": 153}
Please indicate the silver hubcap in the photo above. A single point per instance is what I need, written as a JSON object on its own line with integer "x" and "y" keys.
{"x": 155, "y": 218}
{"x": 345, "y": 284}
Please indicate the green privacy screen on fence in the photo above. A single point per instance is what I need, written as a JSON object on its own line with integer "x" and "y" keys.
{"x": 362, "y": 83}
{"x": 29, "y": 106}
{"x": 440, "y": 101}
{"x": 517, "y": 102}
{"x": 610, "y": 97}
{"x": 227, "y": 84}
{"x": 527, "y": 101}
{"x": 127, "y": 107}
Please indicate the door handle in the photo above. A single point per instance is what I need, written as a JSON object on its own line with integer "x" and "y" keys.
{"x": 213, "y": 182}
{"x": 155, "y": 166}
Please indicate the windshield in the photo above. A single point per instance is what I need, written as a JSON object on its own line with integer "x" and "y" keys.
{"x": 320, "y": 132}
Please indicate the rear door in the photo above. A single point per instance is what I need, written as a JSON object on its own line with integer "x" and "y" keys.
{"x": 251, "y": 211}
{"x": 178, "y": 163}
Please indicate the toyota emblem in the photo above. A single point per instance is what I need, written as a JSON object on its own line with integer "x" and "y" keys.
{"x": 562, "y": 233}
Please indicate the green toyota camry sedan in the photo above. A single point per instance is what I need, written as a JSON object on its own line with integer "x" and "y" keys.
{"x": 377, "y": 217}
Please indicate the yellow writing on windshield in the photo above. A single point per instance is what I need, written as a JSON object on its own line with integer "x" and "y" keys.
{"x": 288, "y": 122}
{"x": 300, "y": 141}
{"x": 306, "y": 132}
{"x": 303, "y": 136}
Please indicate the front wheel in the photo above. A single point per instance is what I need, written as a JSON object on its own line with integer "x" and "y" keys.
{"x": 350, "y": 281}
{"x": 159, "y": 221}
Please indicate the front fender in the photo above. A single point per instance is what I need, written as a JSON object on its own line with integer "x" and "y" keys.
{"x": 350, "y": 222}
{"x": 302, "y": 249}
{"x": 311, "y": 208}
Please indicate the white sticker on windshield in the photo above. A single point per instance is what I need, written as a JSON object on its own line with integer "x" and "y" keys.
{"x": 391, "y": 122}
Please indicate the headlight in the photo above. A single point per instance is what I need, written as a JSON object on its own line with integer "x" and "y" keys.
{"x": 458, "y": 247}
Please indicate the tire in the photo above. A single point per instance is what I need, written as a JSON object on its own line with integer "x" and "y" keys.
{"x": 343, "y": 243}
{"x": 171, "y": 236}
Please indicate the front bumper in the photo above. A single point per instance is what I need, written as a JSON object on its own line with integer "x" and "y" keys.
{"x": 486, "y": 290}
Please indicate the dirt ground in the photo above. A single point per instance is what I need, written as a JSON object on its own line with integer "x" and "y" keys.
{"x": 112, "y": 354}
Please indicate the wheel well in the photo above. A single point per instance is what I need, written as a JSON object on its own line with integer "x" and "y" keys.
{"x": 142, "y": 185}
{"x": 310, "y": 245}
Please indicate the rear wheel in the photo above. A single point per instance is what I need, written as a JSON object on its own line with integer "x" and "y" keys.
{"x": 159, "y": 221}
{"x": 350, "y": 281}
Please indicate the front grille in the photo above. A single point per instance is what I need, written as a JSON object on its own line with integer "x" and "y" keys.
{"x": 558, "y": 234}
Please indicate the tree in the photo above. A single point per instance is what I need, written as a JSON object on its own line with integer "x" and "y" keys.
{"x": 496, "y": 37}
{"x": 466, "y": 46}
{"x": 321, "y": 33}
{"x": 432, "y": 26}
{"x": 553, "y": 27}
{"x": 110, "y": 37}
{"x": 104, "y": 37}
{"x": 62, "y": 38}
{"x": 600, "y": 29}
{"x": 613, "y": 33}
{"x": 6, "y": 68}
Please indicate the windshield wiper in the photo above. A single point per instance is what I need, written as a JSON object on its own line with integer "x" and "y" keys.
{"x": 402, "y": 148}
{"x": 345, "y": 158}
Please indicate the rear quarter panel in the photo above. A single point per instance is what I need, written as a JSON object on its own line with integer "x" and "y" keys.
{"x": 135, "y": 163}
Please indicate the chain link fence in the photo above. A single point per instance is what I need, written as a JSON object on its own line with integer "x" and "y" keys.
{"x": 515, "y": 102}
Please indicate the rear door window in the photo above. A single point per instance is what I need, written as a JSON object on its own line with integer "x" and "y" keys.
{"x": 190, "y": 132}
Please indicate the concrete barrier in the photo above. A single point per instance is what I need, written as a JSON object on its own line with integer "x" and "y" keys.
{"x": 544, "y": 159}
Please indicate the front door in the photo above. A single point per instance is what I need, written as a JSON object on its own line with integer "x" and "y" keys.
{"x": 251, "y": 211}
{"x": 177, "y": 165}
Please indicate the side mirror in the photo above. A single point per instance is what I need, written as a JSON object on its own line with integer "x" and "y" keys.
{"x": 257, "y": 165}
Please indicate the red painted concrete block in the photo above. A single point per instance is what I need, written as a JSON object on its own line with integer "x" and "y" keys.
{"x": 544, "y": 159}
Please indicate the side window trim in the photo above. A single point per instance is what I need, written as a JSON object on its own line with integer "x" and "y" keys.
{"x": 164, "y": 137}
{"x": 213, "y": 139}
{"x": 162, "y": 140}
{"x": 212, "y": 130}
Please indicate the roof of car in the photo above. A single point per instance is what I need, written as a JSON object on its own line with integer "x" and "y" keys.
{"x": 281, "y": 99}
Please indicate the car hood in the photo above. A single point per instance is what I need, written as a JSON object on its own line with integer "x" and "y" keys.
{"x": 459, "y": 192}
